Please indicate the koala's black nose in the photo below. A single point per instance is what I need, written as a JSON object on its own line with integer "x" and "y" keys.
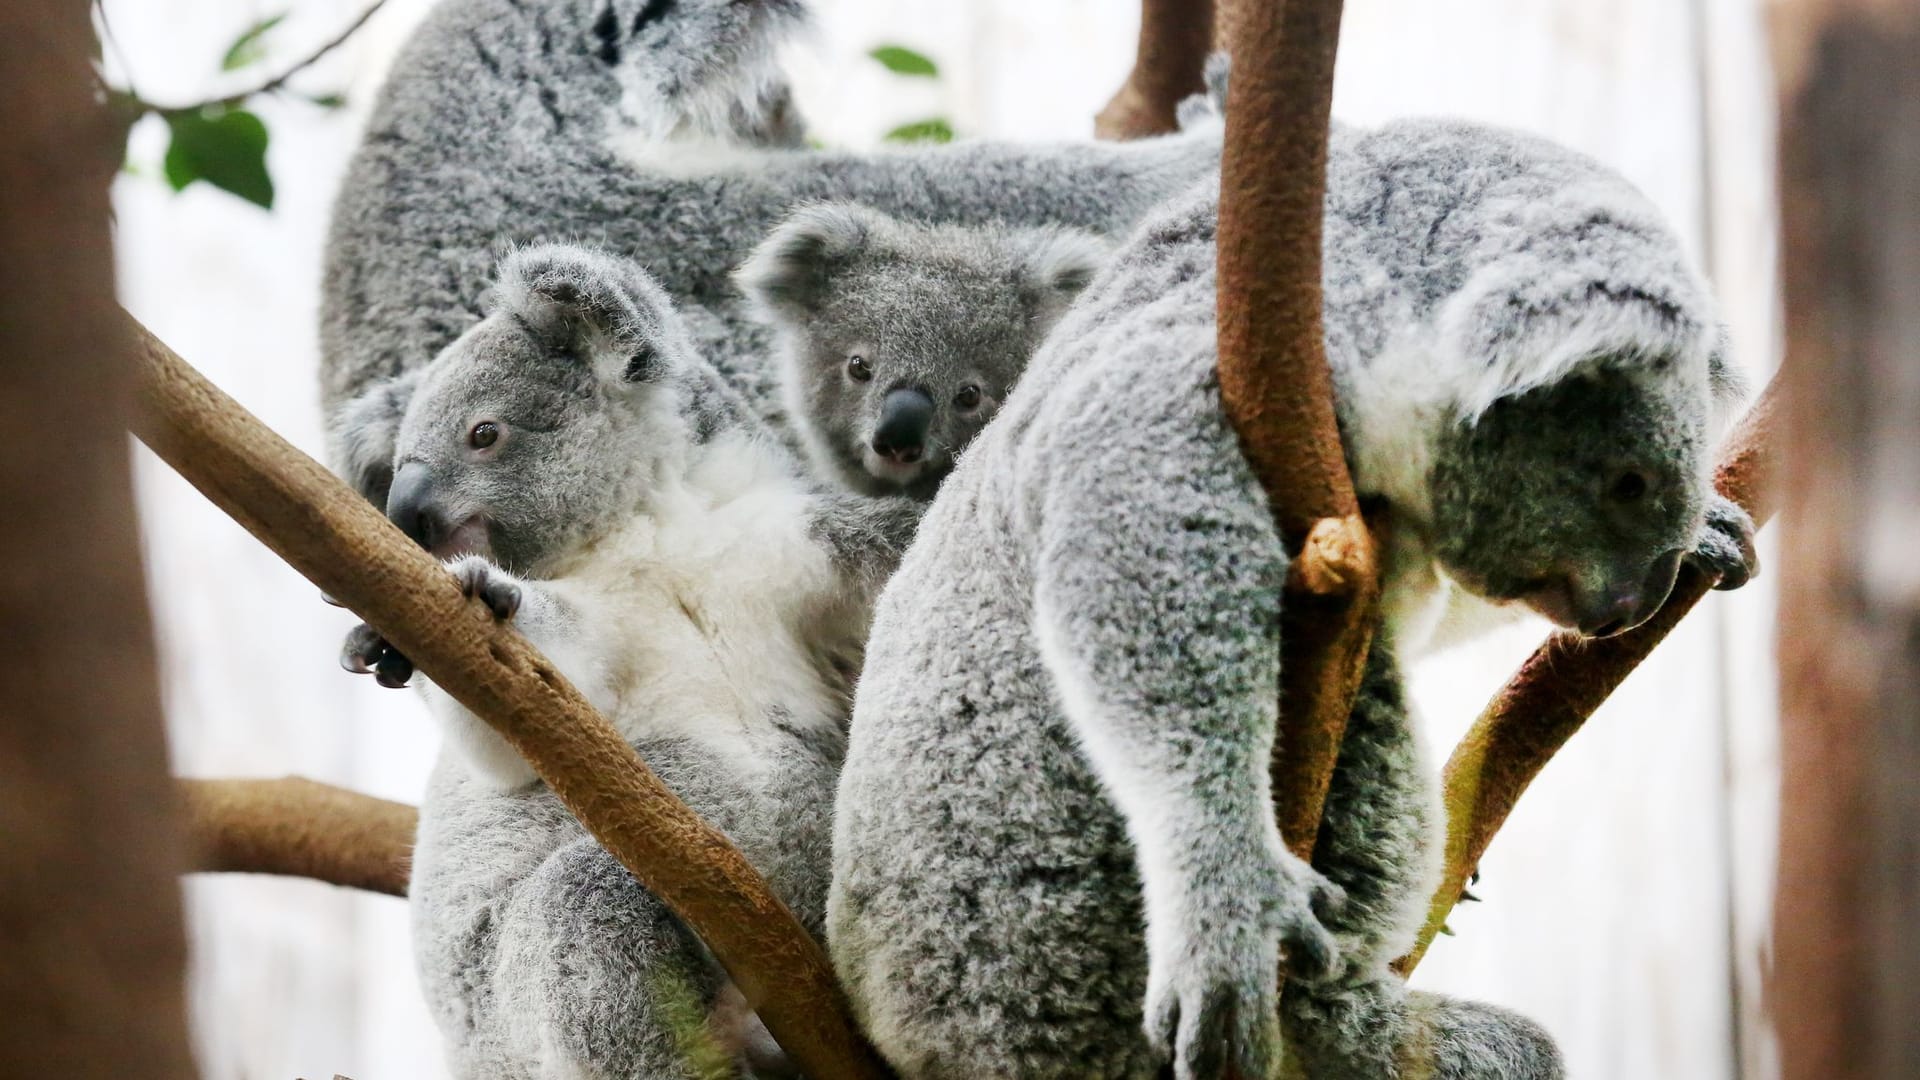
{"x": 905, "y": 417}
{"x": 411, "y": 505}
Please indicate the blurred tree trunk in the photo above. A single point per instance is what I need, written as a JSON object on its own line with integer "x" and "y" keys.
{"x": 90, "y": 930}
{"x": 1846, "y": 982}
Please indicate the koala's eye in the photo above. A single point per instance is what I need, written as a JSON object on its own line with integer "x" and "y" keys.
{"x": 968, "y": 397}
{"x": 858, "y": 369}
{"x": 1628, "y": 487}
{"x": 484, "y": 434}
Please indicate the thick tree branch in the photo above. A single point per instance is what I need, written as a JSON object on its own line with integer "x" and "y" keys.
{"x": 1564, "y": 681}
{"x": 1275, "y": 385}
{"x": 300, "y": 827}
{"x": 1175, "y": 37}
{"x": 344, "y": 546}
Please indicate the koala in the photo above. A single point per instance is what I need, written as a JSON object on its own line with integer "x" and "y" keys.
{"x": 1054, "y": 846}
{"x": 899, "y": 341}
{"x": 596, "y": 483}
{"x": 661, "y": 131}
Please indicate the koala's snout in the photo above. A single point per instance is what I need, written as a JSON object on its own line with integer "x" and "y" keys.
{"x": 1620, "y": 603}
{"x": 413, "y": 503}
{"x": 905, "y": 418}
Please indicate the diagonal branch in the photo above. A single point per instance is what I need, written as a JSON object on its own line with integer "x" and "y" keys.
{"x": 1563, "y": 682}
{"x": 1175, "y": 36}
{"x": 1275, "y": 386}
{"x": 343, "y": 545}
{"x": 300, "y": 827}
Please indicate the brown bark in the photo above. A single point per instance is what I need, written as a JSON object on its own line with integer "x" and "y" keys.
{"x": 300, "y": 827}
{"x": 1845, "y": 984}
{"x": 90, "y": 931}
{"x": 1564, "y": 681}
{"x": 343, "y": 545}
{"x": 1175, "y": 37}
{"x": 1275, "y": 386}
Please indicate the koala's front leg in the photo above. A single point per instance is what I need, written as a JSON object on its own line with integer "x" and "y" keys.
{"x": 542, "y": 617}
{"x": 1726, "y": 547}
{"x": 1156, "y": 610}
{"x": 865, "y": 536}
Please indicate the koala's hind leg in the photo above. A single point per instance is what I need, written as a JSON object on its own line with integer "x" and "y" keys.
{"x": 595, "y": 979}
{"x": 1379, "y": 841}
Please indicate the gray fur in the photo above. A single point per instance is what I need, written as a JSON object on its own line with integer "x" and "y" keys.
{"x": 656, "y": 130}
{"x": 677, "y": 565}
{"x": 953, "y": 311}
{"x": 1054, "y": 850}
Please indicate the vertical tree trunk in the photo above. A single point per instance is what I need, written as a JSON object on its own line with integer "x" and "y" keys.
{"x": 90, "y": 931}
{"x": 1846, "y": 981}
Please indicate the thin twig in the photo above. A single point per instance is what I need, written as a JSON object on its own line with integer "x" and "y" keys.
{"x": 274, "y": 84}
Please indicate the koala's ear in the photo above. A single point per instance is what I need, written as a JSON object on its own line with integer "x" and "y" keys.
{"x": 1056, "y": 265}
{"x": 604, "y": 310}
{"x": 792, "y": 271}
{"x": 361, "y": 439}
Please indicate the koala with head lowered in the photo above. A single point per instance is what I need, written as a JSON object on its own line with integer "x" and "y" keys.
{"x": 899, "y": 341}
{"x": 1055, "y": 852}
{"x": 599, "y": 484}
{"x": 663, "y": 132}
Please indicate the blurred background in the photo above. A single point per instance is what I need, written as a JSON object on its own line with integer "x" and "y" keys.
{"x": 1625, "y": 902}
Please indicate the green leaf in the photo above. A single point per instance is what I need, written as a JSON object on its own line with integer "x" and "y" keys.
{"x": 935, "y": 130}
{"x": 327, "y": 101}
{"x": 904, "y": 61}
{"x": 249, "y": 47}
{"x": 226, "y": 149}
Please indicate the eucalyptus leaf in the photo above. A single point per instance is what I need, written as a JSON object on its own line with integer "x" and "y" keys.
{"x": 250, "y": 46}
{"x": 904, "y": 61}
{"x": 934, "y": 130}
{"x": 327, "y": 101}
{"x": 227, "y": 149}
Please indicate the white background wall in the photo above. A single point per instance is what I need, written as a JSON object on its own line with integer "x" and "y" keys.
{"x": 1626, "y": 900}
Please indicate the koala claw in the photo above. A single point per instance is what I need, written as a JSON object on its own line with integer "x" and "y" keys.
{"x": 1213, "y": 999}
{"x": 366, "y": 652}
{"x": 480, "y": 578}
{"x": 1726, "y": 548}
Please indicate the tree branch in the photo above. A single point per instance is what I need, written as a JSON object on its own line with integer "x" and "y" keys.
{"x": 279, "y": 81}
{"x": 1175, "y": 37}
{"x": 1275, "y": 386}
{"x": 343, "y": 545}
{"x": 300, "y": 827}
{"x": 1564, "y": 681}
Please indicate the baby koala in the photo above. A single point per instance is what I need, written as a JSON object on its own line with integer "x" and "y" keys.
{"x": 672, "y": 559}
{"x": 901, "y": 340}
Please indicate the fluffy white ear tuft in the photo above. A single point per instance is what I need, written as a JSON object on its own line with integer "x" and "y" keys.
{"x": 1058, "y": 264}
{"x": 1599, "y": 283}
{"x": 792, "y": 271}
{"x": 603, "y": 309}
{"x": 361, "y": 440}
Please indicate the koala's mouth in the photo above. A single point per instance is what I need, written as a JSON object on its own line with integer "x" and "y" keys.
{"x": 899, "y": 471}
{"x": 468, "y": 537}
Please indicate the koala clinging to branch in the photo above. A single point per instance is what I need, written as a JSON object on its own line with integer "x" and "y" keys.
{"x": 672, "y": 560}
{"x": 1055, "y": 852}
{"x": 899, "y": 341}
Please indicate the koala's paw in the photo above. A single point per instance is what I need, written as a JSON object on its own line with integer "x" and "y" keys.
{"x": 1209, "y": 107}
{"x": 1213, "y": 989}
{"x": 367, "y": 653}
{"x": 488, "y": 583}
{"x": 1726, "y": 546}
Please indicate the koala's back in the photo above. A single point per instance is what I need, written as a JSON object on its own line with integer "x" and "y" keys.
{"x": 963, "y": 778}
